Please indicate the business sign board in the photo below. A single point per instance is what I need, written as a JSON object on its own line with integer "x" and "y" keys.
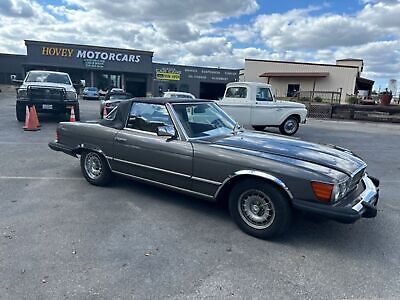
{"x": 88, "y": 57}
{"x": 166, "y": 72}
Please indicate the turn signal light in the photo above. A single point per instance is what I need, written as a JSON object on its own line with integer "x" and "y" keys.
{"x": 323, "y": 191}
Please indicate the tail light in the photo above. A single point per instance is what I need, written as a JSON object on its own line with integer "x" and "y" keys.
{"x": 57, "y": 135}
{"x": 323, "y": 191}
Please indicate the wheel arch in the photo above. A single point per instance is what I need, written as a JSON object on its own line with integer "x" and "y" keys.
{"x": 89, "y": 147}
{"x": 295, "y": 115}
{"x": 226, "y": 186}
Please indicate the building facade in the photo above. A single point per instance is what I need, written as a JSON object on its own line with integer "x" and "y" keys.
{"x": 290, "y": 78}
{"x": 104, "y": 67}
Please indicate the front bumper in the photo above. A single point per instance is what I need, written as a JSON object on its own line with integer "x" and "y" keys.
{"x": 48, "y": 106}
{"x": 363, "y": 206}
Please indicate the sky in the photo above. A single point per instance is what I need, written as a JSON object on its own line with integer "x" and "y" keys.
{"x": 218, "y": 33}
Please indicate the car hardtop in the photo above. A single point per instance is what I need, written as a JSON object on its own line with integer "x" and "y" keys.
{"x": 123, "y": 109}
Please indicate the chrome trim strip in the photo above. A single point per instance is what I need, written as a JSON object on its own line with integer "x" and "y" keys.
{"x": 256, "y": 174}
{"x": 206, "y": 180}
{"x": 367, "y": 195}
{"x": 177, "y": 122}
{"x": 166, "y": 185}
{"x": 152, "y": 168}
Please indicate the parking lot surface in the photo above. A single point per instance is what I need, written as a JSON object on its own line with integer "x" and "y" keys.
{"x": 62, "y": 238}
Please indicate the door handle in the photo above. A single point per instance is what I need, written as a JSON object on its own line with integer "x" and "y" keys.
{"x": 121, "y": 140}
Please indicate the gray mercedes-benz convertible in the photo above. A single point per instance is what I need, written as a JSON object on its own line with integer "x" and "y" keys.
{"x": 193, "y": 146}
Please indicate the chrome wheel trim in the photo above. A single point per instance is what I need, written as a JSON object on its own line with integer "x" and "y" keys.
{"x": 256, "y": 209}
{"x": 290, "y": 126}
{"x": 93, "y": 165}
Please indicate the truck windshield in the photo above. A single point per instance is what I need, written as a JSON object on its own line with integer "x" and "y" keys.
{"x": 201, "y": 120}
{"x": 48, "y": 77}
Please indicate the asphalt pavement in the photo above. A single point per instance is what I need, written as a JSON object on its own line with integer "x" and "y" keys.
{"x": 62, "y": 238}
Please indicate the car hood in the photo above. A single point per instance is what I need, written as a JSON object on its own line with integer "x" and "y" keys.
{"x": 290, "y": 104}
{"x": 67, "y": 87}
{"x": 325, "y": 155}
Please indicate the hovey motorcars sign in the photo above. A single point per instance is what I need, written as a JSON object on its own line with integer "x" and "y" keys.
{"x": 90, "y": 54}
{"x": 61, "y": 55}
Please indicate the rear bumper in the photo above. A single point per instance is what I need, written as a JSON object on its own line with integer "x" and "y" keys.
{"x": 364, "y": 206}
{"x": 59, "y": 147}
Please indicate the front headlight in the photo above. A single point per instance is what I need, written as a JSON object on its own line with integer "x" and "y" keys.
{"x": 71, "y": 96}
{"x": 21, "y": 93}
{"x": 340, "y": 190}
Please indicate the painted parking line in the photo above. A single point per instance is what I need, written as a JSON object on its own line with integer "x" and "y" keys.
{"x": 41, "y": 178}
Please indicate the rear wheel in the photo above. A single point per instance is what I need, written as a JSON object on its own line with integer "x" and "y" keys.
{"x": 259, "y": 128}
{"x": 259, "y": 208}
{"x": 95, "y": 168}
{"x": 289, "y": 126}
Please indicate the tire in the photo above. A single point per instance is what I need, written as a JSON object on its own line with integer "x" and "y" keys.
{"x": 95, "y": 168}
{"x": 247, "y": 202}
{"x": 289, "y": 126}
{"x": 77, "y": 113}
{"x": 259, "y": 128}
{"x": 20, "y": 113}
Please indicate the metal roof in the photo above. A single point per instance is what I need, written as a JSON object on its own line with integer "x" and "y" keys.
{"x": 295, "y": 74}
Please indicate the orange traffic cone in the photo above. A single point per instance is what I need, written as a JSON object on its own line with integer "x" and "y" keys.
{"x": 30, "y": 124}
{"x": 105, "y": 112}
{"x": 35, "y": 116}
{"x": 72, "y": 115}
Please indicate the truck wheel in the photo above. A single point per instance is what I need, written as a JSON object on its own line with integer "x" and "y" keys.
{"x": 95, "y": 168}
{"x": 289, "y": 126}
{"x": 259, "y": 128}
{"x": 77, "y": 113}
{"x": 20, "y": 112}
{"x": 259, "y": 208}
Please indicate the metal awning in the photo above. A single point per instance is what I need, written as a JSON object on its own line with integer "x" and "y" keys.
{"x": 295, "y": 74}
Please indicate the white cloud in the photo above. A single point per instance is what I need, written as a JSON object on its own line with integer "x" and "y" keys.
{"x": 191, "y": 32}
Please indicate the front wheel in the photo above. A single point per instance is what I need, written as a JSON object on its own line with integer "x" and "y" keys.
{"x": 289, "y": 126}
{"x": 20, "y": 112}
{"x": 95, "y": 168}
{"x": 259, "y": 208}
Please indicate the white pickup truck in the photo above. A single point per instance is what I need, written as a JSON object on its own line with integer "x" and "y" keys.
{"x": 252, "y": 103}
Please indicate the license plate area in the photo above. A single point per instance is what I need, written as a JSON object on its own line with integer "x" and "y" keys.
{"x": 47, "y": 106}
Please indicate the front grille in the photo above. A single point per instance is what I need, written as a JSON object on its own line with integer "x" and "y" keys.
{"x": 46, "y": 93}
{"x": 356, "y": 179}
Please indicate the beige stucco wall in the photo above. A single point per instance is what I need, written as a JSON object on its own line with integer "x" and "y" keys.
{"x": 339, "y": 76}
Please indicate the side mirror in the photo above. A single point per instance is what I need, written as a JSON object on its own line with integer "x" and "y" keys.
{"x": 168, "y": 131}
{"x": 16, "y": 82}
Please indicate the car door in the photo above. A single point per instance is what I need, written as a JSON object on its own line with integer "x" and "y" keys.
{"x": 264, "y": 110}
{"x": 140, "y": 152}
{"x": 237, "y": 104}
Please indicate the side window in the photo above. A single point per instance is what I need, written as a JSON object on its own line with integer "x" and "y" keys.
{"x": 236, "y": 92}
{"x": 264, "y": 94}
{"x": 148, "y": 117}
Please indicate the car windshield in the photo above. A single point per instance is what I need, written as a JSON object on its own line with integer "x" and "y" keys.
{"x": 119, "y": 97}
{"x": 48, "y": 77}
{"x": 91, "y": 89}
{"x": 201, "y": 120}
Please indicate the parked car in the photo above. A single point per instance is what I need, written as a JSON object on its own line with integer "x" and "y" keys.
{"x": 252, "y": 103}
{"x": 181, "y": 95}
{"x": 196, "y": 148}
{"x": 90, "y": 93}
{"x": 112, "y": 100}
{"x": 50, "y": 92}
